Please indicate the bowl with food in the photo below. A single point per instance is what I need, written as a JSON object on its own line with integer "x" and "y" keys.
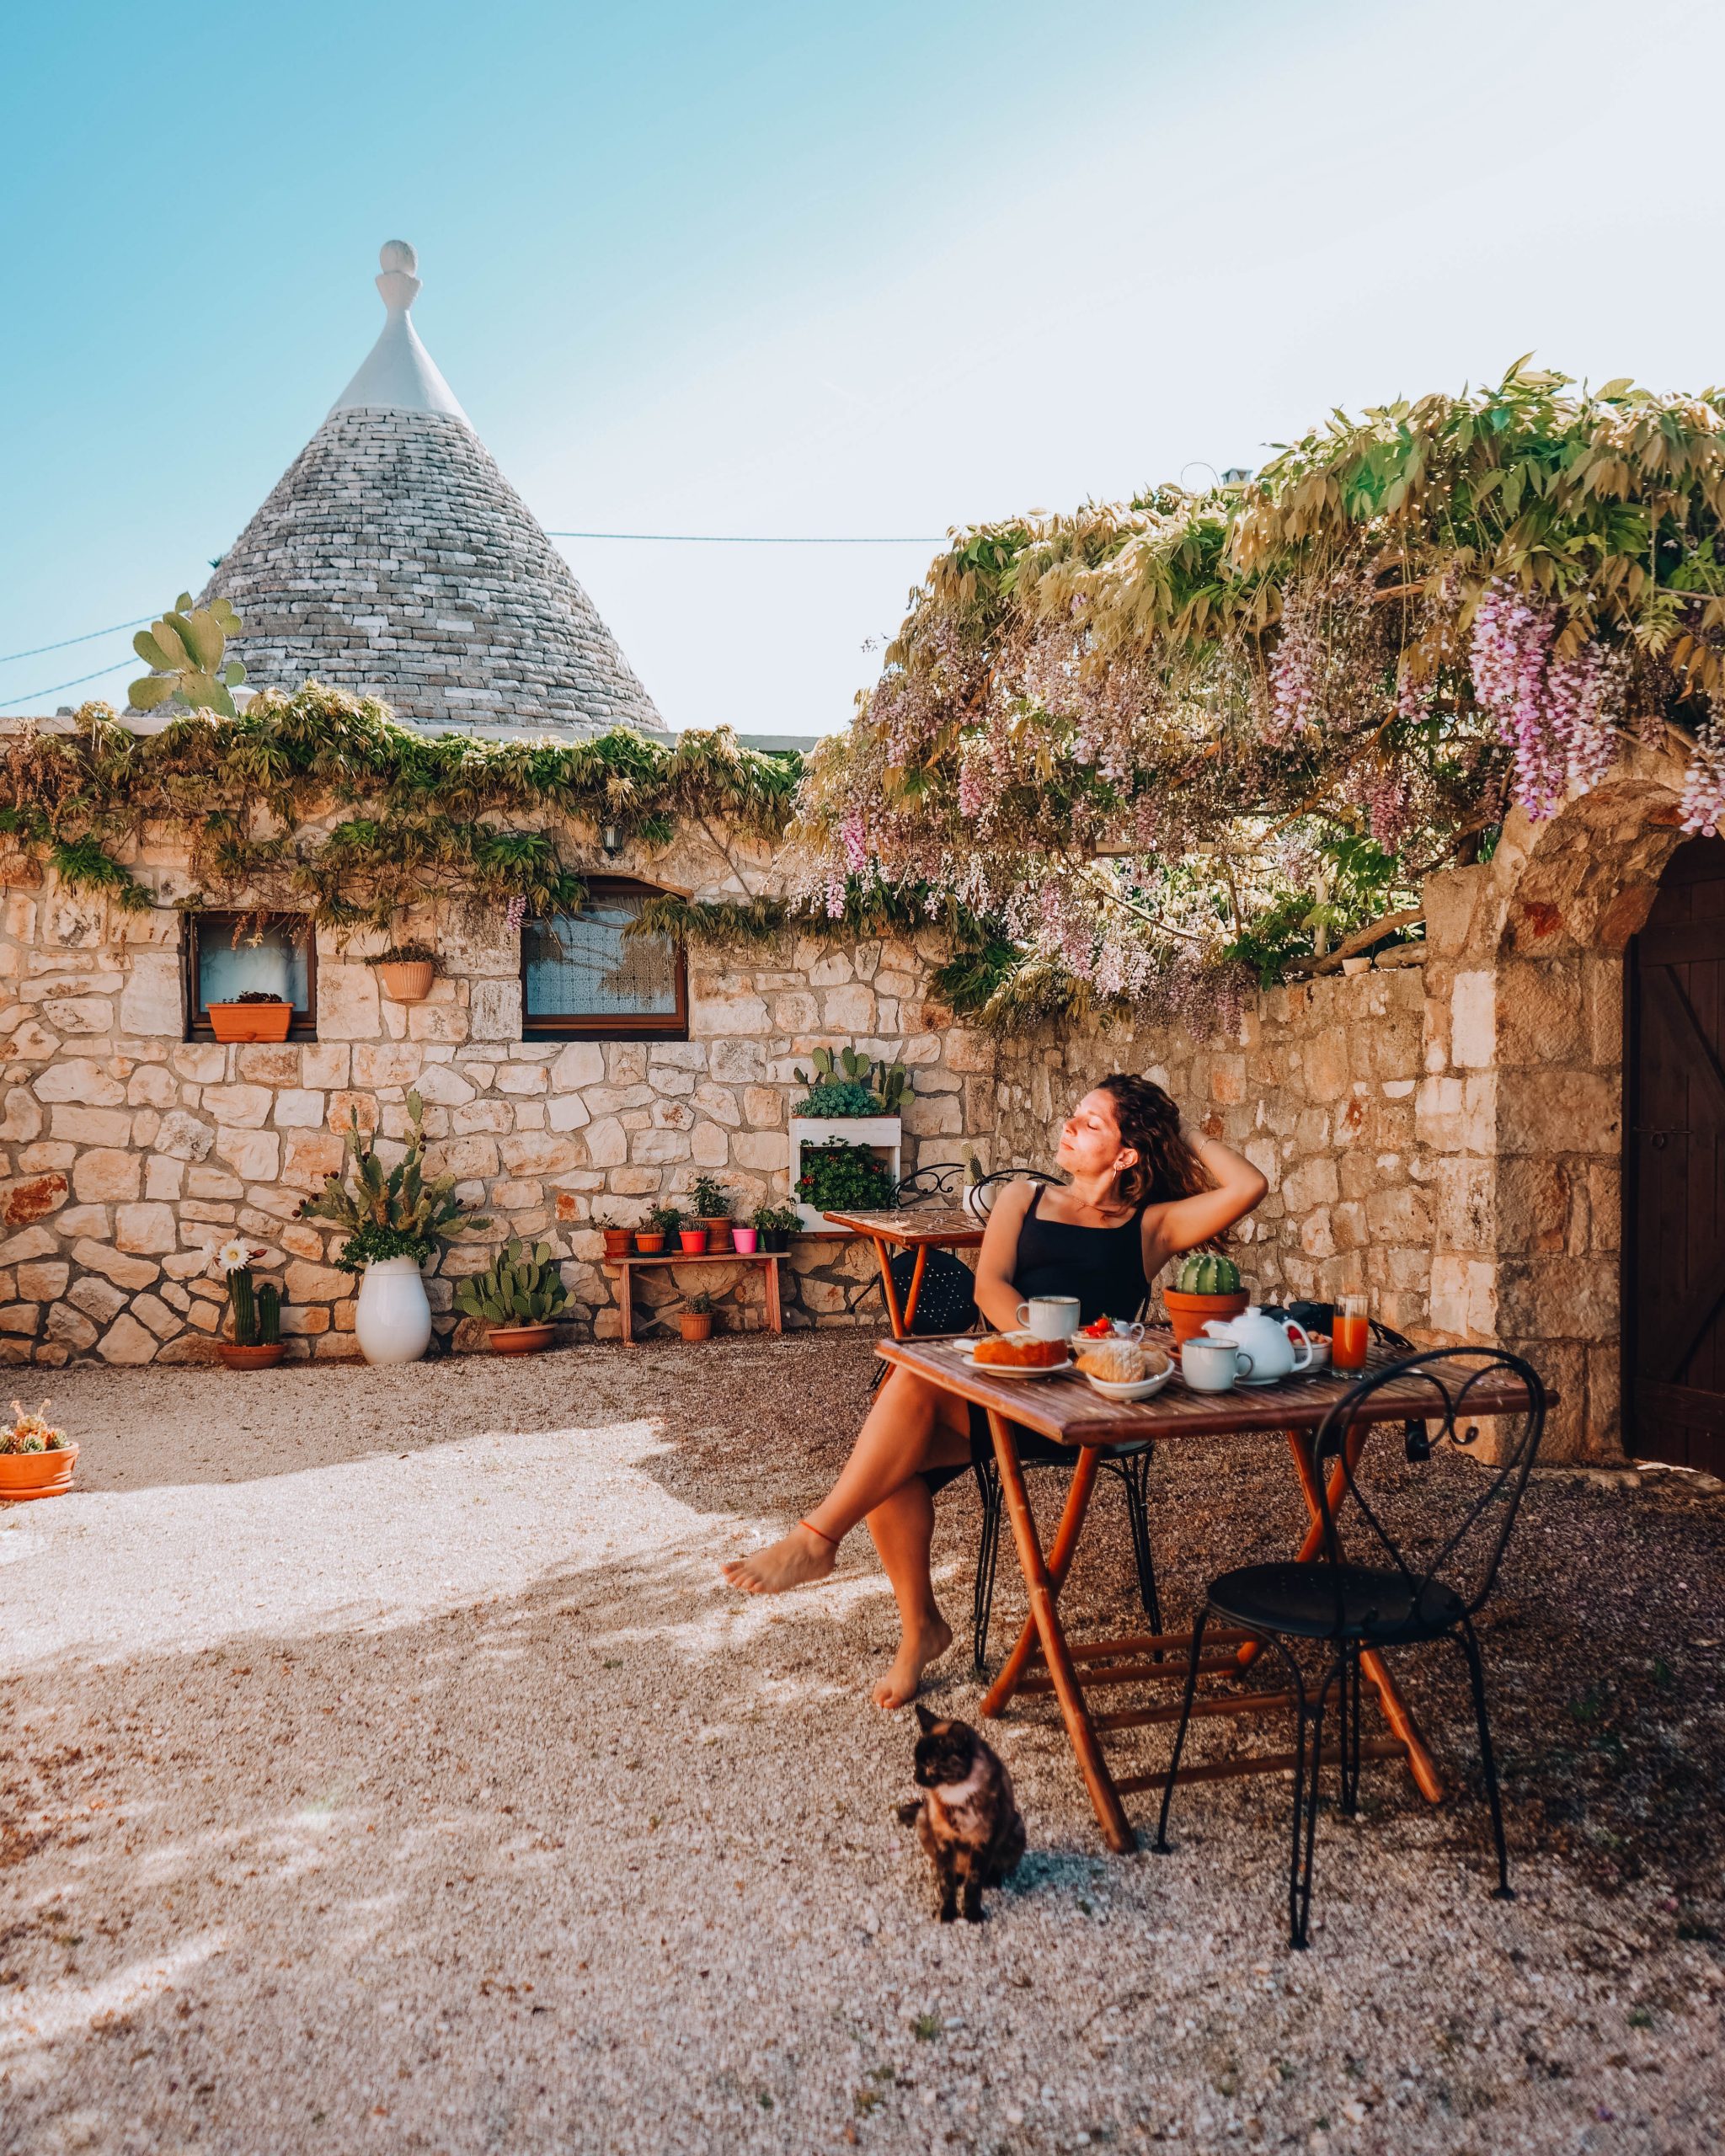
{"x": 1121, "y": 1370}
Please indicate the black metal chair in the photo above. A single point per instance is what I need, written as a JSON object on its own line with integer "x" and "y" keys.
{"x": 1398, "y": 1600}
{"x": 940, "y": 1179}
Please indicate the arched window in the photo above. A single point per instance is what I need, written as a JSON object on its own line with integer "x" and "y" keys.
{"x": 583, "y": 976}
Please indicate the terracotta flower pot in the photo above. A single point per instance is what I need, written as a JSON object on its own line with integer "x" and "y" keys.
{"x": 693, "y": 1240}
{"x": 27, "y": 1475}
{"x": 697, "y": 1325}
{"x": 1188, "y": 1315}
{"x": 520, "y": 1339}
{"x": 650, "y": 1245}
{"x": 743, "y": 1238}
{"x": 718, "y": 1230}
{"x": 407, "y": 980}
{"x": 250, "y": 1021}
{"x": 617, "y": 1241}
{"x": 260, "y": 1356}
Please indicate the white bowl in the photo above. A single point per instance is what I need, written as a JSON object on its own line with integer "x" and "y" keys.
{"x": 1138, "y": 1389}
{"x": 1319, "y": 1356}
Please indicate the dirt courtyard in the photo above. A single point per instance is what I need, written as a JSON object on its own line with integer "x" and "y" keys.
{"x": 384, "y": 1766}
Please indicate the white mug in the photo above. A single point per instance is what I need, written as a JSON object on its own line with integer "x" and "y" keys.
{"x": 1213, "y": 1365}
{"x": 1050, "y": 1317}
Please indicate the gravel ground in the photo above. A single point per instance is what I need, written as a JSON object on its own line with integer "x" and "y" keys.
{"x": 383, "y": 1766}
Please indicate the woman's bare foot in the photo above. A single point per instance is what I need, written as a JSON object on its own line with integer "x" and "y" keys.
{"x": 916, "y": 1650}
{"x": 794, "y": 1560}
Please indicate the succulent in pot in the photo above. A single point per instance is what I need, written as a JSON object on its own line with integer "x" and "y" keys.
{"x": 618, "y": 1240}
{"x": 1206, "y": 1287}
{"x": 696, "y": 1318}
{"x": 395, "y": 1221}
{"x": 406, "y": 971}
{"x": 775, "y": 1224}
{"x": 36, "y": 1460}
{"x": 661, "y": 1223}
{"x": 519, "y": 1297}
{"x": 712, "y": 1207}
{"x": 257, "y": 1310}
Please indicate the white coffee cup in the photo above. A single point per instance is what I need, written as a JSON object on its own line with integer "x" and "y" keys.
{"x": 1213, "y": 1365}
{"x": 1050, "y": 1317}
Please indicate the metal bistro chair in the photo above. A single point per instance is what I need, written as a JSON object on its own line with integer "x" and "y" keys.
{"x": 947, "y": 1305}
{"x": 1400, "y": 1599}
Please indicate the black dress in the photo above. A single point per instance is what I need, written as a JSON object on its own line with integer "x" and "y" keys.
{"x": 1102, "y": 1267}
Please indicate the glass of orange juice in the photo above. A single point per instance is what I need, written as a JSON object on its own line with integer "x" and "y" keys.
{"x": 1349, "y": 1334}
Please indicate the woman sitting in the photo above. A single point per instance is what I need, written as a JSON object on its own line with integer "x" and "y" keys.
{"x": 1139, "y": 1193}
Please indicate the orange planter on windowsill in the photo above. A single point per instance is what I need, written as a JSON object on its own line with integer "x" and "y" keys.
{"x": 250, "y": 1021}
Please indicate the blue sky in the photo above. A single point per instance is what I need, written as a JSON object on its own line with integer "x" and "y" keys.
{"x": 774, "y": 268}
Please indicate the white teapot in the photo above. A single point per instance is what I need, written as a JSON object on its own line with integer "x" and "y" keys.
{"x": 1269, "y": 1341}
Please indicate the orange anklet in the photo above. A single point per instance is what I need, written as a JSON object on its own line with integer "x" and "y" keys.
{"x": 814, "y": 1529}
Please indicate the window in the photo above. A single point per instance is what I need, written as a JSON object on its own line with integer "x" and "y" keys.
{"x": 582, "y": 975}
{"x": 230, "y": 954}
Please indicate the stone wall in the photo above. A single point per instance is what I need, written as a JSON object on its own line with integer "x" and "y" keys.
{"x": 127, "y": 1152}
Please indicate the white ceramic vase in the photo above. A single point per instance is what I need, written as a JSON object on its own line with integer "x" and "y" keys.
{"x": 393, "y": 1320}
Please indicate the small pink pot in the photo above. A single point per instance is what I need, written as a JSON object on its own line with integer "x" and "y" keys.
{"x": 693, "y": 1240}
{"x": 744, "y": 1240}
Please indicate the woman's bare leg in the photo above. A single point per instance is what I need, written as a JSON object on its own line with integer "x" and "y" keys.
{"x": 903, "y": 1527}
{"x": 910, "y": 1426}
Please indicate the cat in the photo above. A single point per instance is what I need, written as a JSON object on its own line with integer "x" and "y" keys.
{"x": 968, "y": 1819}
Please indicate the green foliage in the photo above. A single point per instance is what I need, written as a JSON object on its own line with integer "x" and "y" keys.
{"x": 702, "y": 1304}
{"x": 1206, "y": 1273}
{"x": 851, "y": 1085}
{"x": 664, "y": 1219}
{"x": 710, "y": 1200}
{"x": 404, "y": 954}
{"x": 396, "y": 1213}
{"x": 784, "y": 1219}
{"x": 186, "y": 648}
{"x": 840, "y": 1177}
{"x": 420, "y": 818}
{"x": 837, "y": 1096}
{"x": 518, "y": 1286}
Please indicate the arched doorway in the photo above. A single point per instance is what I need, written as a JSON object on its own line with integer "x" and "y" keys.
{"x": 1673, "y": 1198}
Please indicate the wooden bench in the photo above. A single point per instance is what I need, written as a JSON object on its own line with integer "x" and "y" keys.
{"x": 627, "y": 1267}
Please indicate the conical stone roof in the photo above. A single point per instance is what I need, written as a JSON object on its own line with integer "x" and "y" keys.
{"x": 394, "y": 559}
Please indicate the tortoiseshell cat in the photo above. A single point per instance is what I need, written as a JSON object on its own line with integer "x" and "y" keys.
{"x": 968, "y": 1819}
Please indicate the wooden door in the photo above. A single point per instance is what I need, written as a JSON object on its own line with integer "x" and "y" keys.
{"x": 1673, "y": 1199}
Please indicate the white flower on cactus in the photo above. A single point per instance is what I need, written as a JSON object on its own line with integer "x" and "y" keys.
{"x": 234, "y": 1255}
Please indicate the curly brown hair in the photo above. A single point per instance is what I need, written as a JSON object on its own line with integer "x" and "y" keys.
{"x": 1149, "y": 1124}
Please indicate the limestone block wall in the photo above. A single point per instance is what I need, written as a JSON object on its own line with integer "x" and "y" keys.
{"x": 128, "y": 1152}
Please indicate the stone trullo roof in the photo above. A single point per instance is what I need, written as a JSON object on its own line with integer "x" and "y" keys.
{"x": 394, "y": 559}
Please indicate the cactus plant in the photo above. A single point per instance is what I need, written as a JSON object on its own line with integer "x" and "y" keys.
{"x": 245, "y": 1308}
{"x": 269, "y": 1315}
{"x": 520, "y": 1287}
{"x": 184, "y": 650}
{"x": 1206, "y": 1273}
{"x": 851, "y": 1083}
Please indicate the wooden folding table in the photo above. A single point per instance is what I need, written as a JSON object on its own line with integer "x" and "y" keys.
{"x": 1044, "y": 1661}
{"x": 919, "y": 1228}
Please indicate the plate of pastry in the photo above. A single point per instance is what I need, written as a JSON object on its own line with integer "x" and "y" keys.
{"x": 1121, "y": 1370}
{"x": 1019, "y": 1355}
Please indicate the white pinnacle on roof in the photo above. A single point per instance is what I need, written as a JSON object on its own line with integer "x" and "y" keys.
{"x": 398, "y": 374}
{"x": 394, "y": 559}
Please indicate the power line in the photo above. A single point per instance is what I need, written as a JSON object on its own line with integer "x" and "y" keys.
{"x": 55, "y": 687}
{"x": 89, "y": 636}
{"x": 752, "y": 539}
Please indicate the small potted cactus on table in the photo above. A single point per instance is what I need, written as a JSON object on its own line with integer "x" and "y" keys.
{"x": 519, "y": 1297}
{"x": 256, "y": 1344}
{"x": 1206, "y": 1286}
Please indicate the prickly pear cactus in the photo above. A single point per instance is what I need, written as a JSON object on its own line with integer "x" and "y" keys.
{"x": 1205, "y": 1273}
{"x": 185, "y": 650}
{"x": 521, "y": 1287}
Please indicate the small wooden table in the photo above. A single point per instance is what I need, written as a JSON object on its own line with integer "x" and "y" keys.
{"x": 919, "y": 1228}
{"x": 1065, "y": 1409}
{"x": 626, "y": 1267}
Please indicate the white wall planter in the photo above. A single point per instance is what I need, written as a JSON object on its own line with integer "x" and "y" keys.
{"x": 394, "y": 1319}
{"x": 882, "y": 1134}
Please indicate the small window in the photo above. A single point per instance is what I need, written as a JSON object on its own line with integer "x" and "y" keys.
{"x": 233, "y": 954}
{"x": 582, "y": 974}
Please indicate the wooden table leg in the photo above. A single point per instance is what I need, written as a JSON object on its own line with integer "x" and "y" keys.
{"x": 1397, "y": 1711}
{"x": 775, "y": 1315}
{"x": 895, "y": 1316}
{"x": 1104, "y": 1797}
{"x": 1060, "y": 1563}
{"x": 625, "y": 1299}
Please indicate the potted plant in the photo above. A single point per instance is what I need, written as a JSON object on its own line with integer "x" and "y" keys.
{"x": 840, "y": 1177}
{"x": 258, "y": 1015}
{"x": 394, "y": 1220}
{"x": 405, "y": 971}
{"x": 693, "y": 1240}
{"x": 519, "y": 1297}
{"x": 618, "y": 1241}
{"x": 256, "y": 1344}
{"x": 1207, "y": 1286}
{"x": 663, "y": 1221}
{"x": 696, "y": 1318}
{"x": 713, "y": 1209}
{"x": 775, "y": 1224}
{"x": 856, "y": 1101}
{"x": 36, "y": 1459}
{"x": 743, "y": 1239}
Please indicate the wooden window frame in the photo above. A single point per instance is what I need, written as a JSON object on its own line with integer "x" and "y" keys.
{"x": 225, "y": 919}
{"x": 611, "y": 1026}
